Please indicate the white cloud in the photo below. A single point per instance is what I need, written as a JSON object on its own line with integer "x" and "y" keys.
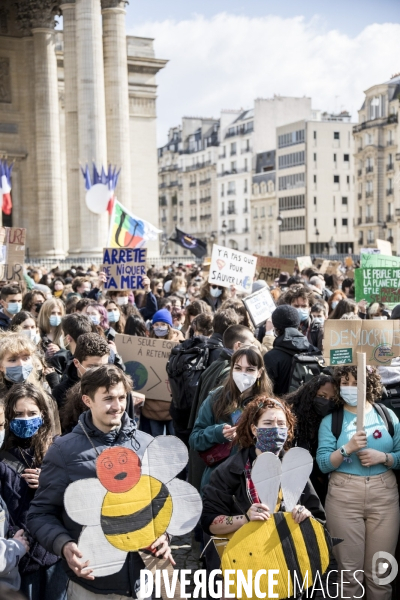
{"x": 228, "y": 60}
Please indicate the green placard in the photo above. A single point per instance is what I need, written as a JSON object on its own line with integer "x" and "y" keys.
{"x": 341, "y": 357}
{"x": 377, "y": 261}
{"x": 378, "y": 285}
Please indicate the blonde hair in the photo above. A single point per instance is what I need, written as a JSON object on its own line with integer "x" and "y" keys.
{"x": 15, "y": 343}
{"x": 44, "y": 318}
{"x": 178, "y": 282}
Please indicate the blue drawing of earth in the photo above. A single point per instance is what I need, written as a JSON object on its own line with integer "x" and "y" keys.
{"x": 138, "y": 372}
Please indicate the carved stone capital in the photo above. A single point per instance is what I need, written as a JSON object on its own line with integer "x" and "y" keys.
{"x": 32, "y": 14}
{"x": 114, "y": 4}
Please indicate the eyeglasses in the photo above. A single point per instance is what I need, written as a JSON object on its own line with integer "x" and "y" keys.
{"x": 218, "y": 287}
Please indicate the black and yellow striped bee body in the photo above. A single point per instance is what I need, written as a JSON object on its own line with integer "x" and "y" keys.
{"x": 129, "y": 521}
{"x": 279, "y": 543}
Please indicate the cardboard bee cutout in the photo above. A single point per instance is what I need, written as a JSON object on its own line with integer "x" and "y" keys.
{"x": 132, "y": 502}
{"x": 279, "y": 543}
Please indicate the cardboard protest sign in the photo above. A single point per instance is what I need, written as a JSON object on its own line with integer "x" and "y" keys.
{"x": 125, "y": 268}
{"x": 379, "y": 260}
{"x": 323, "y": 265}
{"x": 260, "y": 306}
{"x": 384, "y": 246}
{"x": 378, "y": 285}
{"x": 269, "y": 267}
{"x": 370, "y": 251}
{"x": 230, "y": 267}
{"x": 333, "y": 267}
{"x": 304, "y": 262}
{"x": 145, "y": 361}
{"x": 379, "y": 340}
{"x": 12, "y": 253}
{"x": 134, "y": 498}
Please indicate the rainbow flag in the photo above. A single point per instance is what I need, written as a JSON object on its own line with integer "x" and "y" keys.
{"x": 128, "y": 231}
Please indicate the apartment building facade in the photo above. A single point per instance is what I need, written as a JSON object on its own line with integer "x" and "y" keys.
{"x": 264, "y": 206}
{"x": 315, "y": 183}
{"x": 377, "y": 156}
{"x": 244, "y": 134}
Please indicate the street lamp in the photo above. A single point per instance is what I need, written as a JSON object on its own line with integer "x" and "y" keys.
{"x": 280, "y": 221}
{"x": 224, "y": 227}
{"x": 317, "y": 236}
{"x": 259, "y": 243}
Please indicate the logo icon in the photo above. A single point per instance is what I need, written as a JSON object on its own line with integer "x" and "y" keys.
{"x": 220, "y": 263}
{"x": 384, "y": 568}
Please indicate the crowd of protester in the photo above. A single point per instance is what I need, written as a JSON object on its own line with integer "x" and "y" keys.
{"x": 59, "y": 360}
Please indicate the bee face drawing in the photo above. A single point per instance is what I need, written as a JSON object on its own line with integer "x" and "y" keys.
{"x": 132, "y": 502}
{"x": 280, "y": 543}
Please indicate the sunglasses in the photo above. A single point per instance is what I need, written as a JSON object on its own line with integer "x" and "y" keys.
{"x": 218, "y": 287}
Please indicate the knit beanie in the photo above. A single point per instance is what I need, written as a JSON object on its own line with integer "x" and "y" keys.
{"x": 285, "y": 316}
{"x": 162, "y": 316}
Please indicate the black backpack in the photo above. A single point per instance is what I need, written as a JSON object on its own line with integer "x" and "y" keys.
{"x": 186, "y": 363}
{"x": 304, "y": 367}
{"x": 337, "y": 419}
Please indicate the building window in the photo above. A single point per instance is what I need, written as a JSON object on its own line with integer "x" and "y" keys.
{"x": 262, "y": 211}
{"x": 315, "y": 200}
{"x": 334, "y": 222}
{"x": 336, "y": 179}
{"x": 315, "y": 179}
{"x": 315, "y": 157}
{"x": 289, "y": 202}
{"x": 290, "y": 139}
{"x": 347, "y": 178}
{"x": 291, "y": 160}
{"x": 334, "y": 158}
{"x": 336, "y": 135}
{"x": 293, "y": 224}
{"x": 255, "y": 216}
{"x": 346, "y": 157}
{"x": 344, "y": 201}
{"x": 233, "y": 148}
{"x": 315, "y": 222}
{"x": 245, "y": 184}
{"x": 344, "y": 222}
{"x": 315, "y": 135}
{"x": 291, "y": 181}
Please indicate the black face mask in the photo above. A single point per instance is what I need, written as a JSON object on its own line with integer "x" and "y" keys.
{"x": 323, "y": 407}
{"x": 38, "y": 306}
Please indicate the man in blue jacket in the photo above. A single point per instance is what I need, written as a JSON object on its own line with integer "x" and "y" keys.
{"x": 72, "y": 457}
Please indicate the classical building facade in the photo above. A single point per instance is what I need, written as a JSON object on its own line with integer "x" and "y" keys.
{"x": 85, "y": 94}
{"x": 315, "y": 185}
{"x": 377, "y": 152}
{"x": 264, "y": 206}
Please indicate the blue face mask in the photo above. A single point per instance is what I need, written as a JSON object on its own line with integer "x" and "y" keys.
{"x": 303, "y": 313}
{"x": 14, "y": 307}
{"x": 113, "y": 316}
{"x": 349, "y": 394}
{"x": 334, "y": 304}
{"x": 55, "y": 320}
{"x": 26, "y": 428}
{"x": 95, "y": 320}
{"x": 20, "y": 373}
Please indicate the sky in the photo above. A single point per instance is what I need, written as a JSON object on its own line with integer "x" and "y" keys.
{"x": 223, "y": 54}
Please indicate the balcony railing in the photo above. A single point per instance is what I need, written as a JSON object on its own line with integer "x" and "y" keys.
{"x": 359, "y": 196}
{"x": 390, "y": 142}
{"x": 245, "y": 210}
{"x": 390, "y": 167}
{"x": 245, "y": 230}
{"x": 369, "y": 169}
{"x": 205, "y": 199}
{"x": 359, "y": 220}
{"x": 192, "y": 184}
{"x": 175, "y": 218}
{"x": 389, "y": 192}
{"x": 163, "y": 219}
{"x": 231, "y": 192}
{"x": 173, "y": 184}
{"x": 205, "y": 217}
{"x": 163, "y": 201}
{"x": 205, "y": 181}
{"x": 233, "y": 152}
{"x": 162, "y": 185}
{"x": 375, "y": 123}
{"x": 193, "y": 201}
{"x": 193, "y": 219}
{"x": 232, "y": 230}
{"x": 244, "y": 150}
{"x": 369, "y": 194}
{"x": 369, "y": 219}
{"x": 360, "y": 149}
{"x": 231, "y": 211}
{"x": 390, "y": 219}
{"x": 359, "y": 172}
{"x": 232, "y": 172}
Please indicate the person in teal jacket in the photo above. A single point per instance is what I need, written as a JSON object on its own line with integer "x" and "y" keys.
{"x": 218, "y": 416}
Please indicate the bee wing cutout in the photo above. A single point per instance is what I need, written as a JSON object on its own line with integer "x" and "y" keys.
{"x": 186, "y": 507}
{"x": 266, "y": 476}
{"x": 164, "y": 458}
{"x": 103, "y": 558}
{"x": 83, "y": 500}
{"x": 297, "y": 465}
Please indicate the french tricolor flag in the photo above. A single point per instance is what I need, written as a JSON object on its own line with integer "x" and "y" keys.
{"x": 5, "y": 186}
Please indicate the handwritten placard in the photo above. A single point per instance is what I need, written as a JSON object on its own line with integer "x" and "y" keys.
{"x": 125, "y": 268}
{"x": 232, "y": 268}
{"x": 260, "y": 306}
{"x": 12, "y": 253}
{"x": 269, "y": 267}
{"x": 378, "y": 284}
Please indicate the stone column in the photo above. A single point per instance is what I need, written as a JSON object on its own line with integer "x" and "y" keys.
{"x": 91, "y": 117}
{"x": 38, "y": 18}
{"x": 117, "y": 94}
{"x": 74, "y": 178}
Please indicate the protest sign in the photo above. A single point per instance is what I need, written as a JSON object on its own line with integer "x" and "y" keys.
{"x": 269, "y": 267}
{"x": 125, "y": 268}
{"x": 145, "y": 361}
{"x": 370, "y": 251}
{"x": 260, "y": 306}
{"x": 384, "y": 246}
{"x": 377, "y": 284}
{"x": 12, "y": 253}
{"x": 230, "y": 267}
{"x": 379, "y": 260}
{"x": 304, "y": 262}
{"x": 379, "y": 340}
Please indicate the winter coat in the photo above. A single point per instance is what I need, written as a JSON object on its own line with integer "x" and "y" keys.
{"x": 228, "y": 480}
{"x": 151, "y": 307}
{"x": 72, "y": 457}
{"x": 5, "y": 321}
{"x": 278, "y": 361}
{"x": 60, "y": 391}
{"x": 11, "y": 551}
{"x": 18, "y": 496}
{"x": 60, "y": 360}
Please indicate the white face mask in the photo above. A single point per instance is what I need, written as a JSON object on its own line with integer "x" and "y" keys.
{"x": 182, "y": 290}
{"x": 215, "y": 292}
{"x": 31, "y": 334}
{"x": 349, "y": 394}
{"x": 122, "y": 300}
{"x": 2, "y": 434}
{"x": 334, "y": 304}
{"x": 244, "y": 381}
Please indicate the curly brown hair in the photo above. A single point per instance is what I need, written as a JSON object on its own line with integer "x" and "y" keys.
{"x": 252, "y": 414}
{"x": 374, "y": 382}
